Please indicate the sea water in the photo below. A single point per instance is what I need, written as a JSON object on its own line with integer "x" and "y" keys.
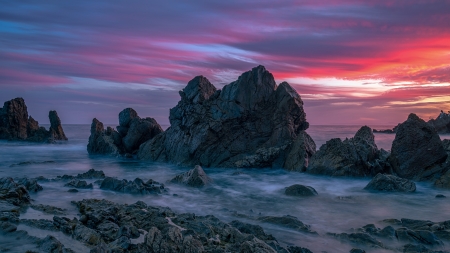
{"x": 341, "y": 205}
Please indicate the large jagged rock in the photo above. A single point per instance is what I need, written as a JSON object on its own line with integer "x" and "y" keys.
{"x": 251, "y": 122}
{"x": 390, "y": 183}
{"x": 15, "y": 124}
{"x": 442, "y": 123}
{"x": 417, "y": 152}
{"x": 357, "y": 156}
{"x": 131, "y": 133}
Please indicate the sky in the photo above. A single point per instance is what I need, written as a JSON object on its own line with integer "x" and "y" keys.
{"x": 353, "y": 62}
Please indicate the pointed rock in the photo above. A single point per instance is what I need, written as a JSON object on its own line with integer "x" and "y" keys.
{"x": 56, "y": 130}
{"x": 195, "y": 178}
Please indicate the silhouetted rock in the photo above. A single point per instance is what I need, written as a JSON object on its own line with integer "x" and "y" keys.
{"x": 251, "y": 122}
{"x": 417, "y": 151}
{"x": 300, "y": 190}
{"x": 442, "y": 123}
{"x": 195, "y": 177}
{"x": 387, "y": 131}
{"x": 131, "y": 133}
{"x": 357, "y": 156}
{"x": 390, "y": 183}
{"x": 16, "y": 125}
{"x": 137, "y": 186}
{"x": 80, "y": 184}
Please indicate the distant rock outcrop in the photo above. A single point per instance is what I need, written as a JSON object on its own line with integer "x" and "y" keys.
{"x": 251, "y": 122}
{"x": 131, "y": 133}
{"x": 442, "y": 123}
{"x": 417, "y": 152}
{"x": 16, "y": 125}
{"x": 357, "y": 156}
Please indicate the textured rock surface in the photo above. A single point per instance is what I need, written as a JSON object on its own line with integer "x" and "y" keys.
{"x": 442, "y": 123}
{"x": 390, "y": 183}
{"x": 417, "y": 152}
{"x": 300, "y": 190}
{"x": 13, "y": 193}
{"x": 16, "y": 125}
{"x": 357, "y": 156}
{"x": 131, "y": 133}
{"x": 195, "y": 177}
{"x": 251, "y": 122}
{"x": 137, "y": 186}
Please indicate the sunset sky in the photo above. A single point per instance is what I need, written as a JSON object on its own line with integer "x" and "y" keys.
{"x": 353, "y": 62}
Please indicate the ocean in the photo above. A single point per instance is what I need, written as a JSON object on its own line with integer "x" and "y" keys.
{"x": 341, "y": 205}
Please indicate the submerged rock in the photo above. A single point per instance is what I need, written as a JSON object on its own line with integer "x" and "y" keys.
{"x": 390, "y": 183}
{"x": 131, "y": 133}
{"x": 251, "y": 122}
{"x": 195, "y": 177}
{"x": 357, "y": 156}
{"x": 287, "y": 221}
{"x": 300, "y": 190}
{"x": 417, "y": 151}
{"x": 16, "y": 125}
{"x": 137, "y": 186}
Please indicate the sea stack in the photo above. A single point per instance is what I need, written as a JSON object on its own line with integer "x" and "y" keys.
{"x": 16, "y": 125}
{"x": 251, "y": 122}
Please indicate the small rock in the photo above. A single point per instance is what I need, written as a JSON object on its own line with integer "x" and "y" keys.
{"x": 390, "y": 183}
{"x": 300, "y": 190}
{"x": 354, "y": 250}
{"x": 288, "y": 222}
{"x": 72, "y": 190}
{"x": 80, "y": 184}
{"x": 440, "y": 196}
{"x": 195, "y": 177}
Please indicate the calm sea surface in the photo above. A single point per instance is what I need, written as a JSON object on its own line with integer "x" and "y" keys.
{"x": 342, "y": 203}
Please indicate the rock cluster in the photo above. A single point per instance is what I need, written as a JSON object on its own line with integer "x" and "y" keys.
{"x": 195, "y": 177}
{"x": 137, "y": 186}
{"x": 357, "y": 156}
{"x": 15, "y": 124}
{"x": 130, "y": 134}
{"x": 251, "y": 122}
{"x": 390, "y": 183}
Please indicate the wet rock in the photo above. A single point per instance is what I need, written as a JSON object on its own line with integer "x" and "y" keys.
{"x": 417, "y": 151}
{"x": 30, "y": 163}
{"x": 7, "y": 227}
{"x": 302, "y": 149}
{"x": 72, "y": 190}
{"x": 49, "y": 209}
{"x": 137, "y": 186}
{"x": 16, "y": 125}
{"x": 417, "y": 236}
{"x": 357, "y": 156}
{"x": 288, "y": 222}
{"x": 41, "y": 224}
{"x": 359, "y": 239}
{"x": 300, "y": 190}
{"x": 50, "y": 244}
{"x": 251, "y": 122}
{"x": 440, "y": 196}
{"x": 256, "y": 246}
{"x": 131, "y": 133}
{"x": 195, "y": 177}
{"x": 120, "y": 245}
{"x": 355, "y": 250}
{"x": 443, "y": 181}
{"x": 91, "y": 174}
{"x": 86, "y": 235}
{"x": 251, "y": 229}
{"x": 295, "y": 249}
{"x": 13, "y": 193}
{"x": 30, "y": 184}
{"x": 441, "y": 123}
{"x": 80, "y": 184}
{"x": 390, "y": 183}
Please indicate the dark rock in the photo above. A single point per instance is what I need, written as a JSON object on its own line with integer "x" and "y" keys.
{"x": 30, "y": 184}
{"x": 86, "y": 235}
{"x": 442, "y": 123}
{"x": 300, "y": 152}
{"x": 357, "y": 156}
{"x": 359, "y": 239}
{"x": 295, "y": 249}
{"x": 16, "y": 125}
{"x": 195, "y": 177}
{"x": 387, "y": 131}
{"x": 30, "y": 163}
{"x": 417, "y": 236}
{"x": 288, "y": 222}
{"x": 417, "y": 150}
{"x": 251, "y": 122}
{"x": 390, "y": 183}
{"x": 72, "y": 190}
{"x": 300, "y": 190}
{"x": 440, "y": 196}
{"x": 136, "y": 186}
{"x": 80, "y": 184}
{"x": 49, "y": 209}
{"x": 99, "y": 142}
{"x": 443, "y": 181}
{"x": 140, "y": 131}
{"x": 13, "y": 193}
{"x": 40, "y": 224}
{"x": 251, "y": 229}
{"x": 91, "y": 174}
{"x": 50, "y": 244}
{"x": 354, "y": 250}
{"x": 7, "y": 227}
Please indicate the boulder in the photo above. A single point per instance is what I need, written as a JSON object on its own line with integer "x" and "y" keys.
{"x": 300, "y": 190}
{"x": 137, "y": 186}
{"x": 417, "y": 152}
{"x": 357, "y": 156}
{"x": 15, "y": 124}
{"x": 195, "y": 177}
{"x": 251, "y": 122}
{"x": 390, "y": 183}
{"x": 131, "y": 133}
{"x": 30, "y": 184}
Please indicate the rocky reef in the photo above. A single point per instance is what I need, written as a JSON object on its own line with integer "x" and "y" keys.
{"x": 16, "y": 125}
{"x": 130, "y": 134}
{"x": 251, "y": 122}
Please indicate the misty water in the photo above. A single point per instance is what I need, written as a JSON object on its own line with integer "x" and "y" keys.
{"x": 342, "y": 203}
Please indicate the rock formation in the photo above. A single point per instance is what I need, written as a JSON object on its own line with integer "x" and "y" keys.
{"x": 357, "y": 156}
{"x": 300, "y": 190}
{"x": 390, "y": 183}
{"x": 15, "y": 124}
{"x": 251, "y": 122}
{"x": 195, "y": 177}
{"x": 442, "y": 123}
{"x": 131, "y": 133}
{"x": 417, "y": 152}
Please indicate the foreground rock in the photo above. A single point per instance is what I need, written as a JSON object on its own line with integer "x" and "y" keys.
{"x": 195, "y": 178}
{"x": 300, "y": 190}
{"x": 442, "y": 123}
{"x": 357, "y": 156}
{"x": 137, "y": 186}
{"x": 287, "y": 221}
{"x": 390, "y": 183}
{"x": 13, "y": 193}
{"x": 131, "y": 133}
{"x": 417, "y": 152}
{"x": 15, "y": 124}
{"x": 251, "y": 122}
